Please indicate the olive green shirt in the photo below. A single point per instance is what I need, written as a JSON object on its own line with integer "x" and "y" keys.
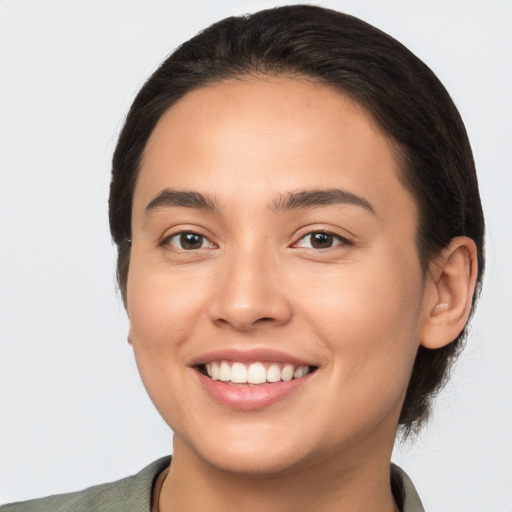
{"x": 133, "y": 494}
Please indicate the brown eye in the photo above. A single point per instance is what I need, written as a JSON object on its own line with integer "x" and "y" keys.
{"x": 188, "y": 241}
{"x": 321, "y": 240}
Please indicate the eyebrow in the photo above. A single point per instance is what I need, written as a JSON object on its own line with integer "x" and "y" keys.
{"x": 184, "y": 199}
{"x": 293, "y": 200}
{"x": 315, "y": 198}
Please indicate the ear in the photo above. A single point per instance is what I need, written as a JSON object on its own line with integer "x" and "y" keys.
{"x": 129, "y": 337}
{"x": 449, "y": 294}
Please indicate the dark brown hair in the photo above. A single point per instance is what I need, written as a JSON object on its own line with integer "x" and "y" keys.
{"x": 393, "y": 85}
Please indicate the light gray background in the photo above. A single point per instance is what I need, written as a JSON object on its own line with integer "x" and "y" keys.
{"x": 72, "y": 409}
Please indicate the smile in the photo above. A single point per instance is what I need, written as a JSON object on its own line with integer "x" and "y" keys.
{"x": 252, "y": 380}
{"x": 235, "y": 372}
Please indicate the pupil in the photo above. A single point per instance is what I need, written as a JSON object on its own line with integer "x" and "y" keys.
{"x": 321, "y": 240}
{"x": 191, "y": 241}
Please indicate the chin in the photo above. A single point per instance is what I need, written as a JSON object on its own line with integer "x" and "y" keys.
{"x": 254, "y": 465}
{"x": 252, "y": 453}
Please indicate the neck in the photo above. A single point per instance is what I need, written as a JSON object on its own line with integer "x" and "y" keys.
{"x": 330, "y": 485}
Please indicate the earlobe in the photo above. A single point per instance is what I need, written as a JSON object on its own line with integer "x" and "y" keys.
{"x": 452, "y": 283}
{"x": 129, "y": 337}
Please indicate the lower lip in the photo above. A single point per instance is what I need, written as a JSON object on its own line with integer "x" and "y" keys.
{"x": 245, "y": 397}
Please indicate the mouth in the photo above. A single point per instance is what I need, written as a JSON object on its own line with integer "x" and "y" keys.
{"x": 252, "y": 380}
{"x": 253, "y": 374}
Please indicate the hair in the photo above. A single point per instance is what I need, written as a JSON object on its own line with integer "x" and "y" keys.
{"x": 400, "y": 92}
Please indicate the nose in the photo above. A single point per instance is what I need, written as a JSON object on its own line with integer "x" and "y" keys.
{"x": 248, "y": 294}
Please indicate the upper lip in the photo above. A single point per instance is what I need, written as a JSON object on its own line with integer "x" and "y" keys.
{"x": 249, "y": 356}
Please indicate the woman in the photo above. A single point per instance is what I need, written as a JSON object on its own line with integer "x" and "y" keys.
{"x": 300, "y": 238}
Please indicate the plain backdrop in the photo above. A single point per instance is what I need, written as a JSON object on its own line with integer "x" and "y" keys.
{"x": 73, "y": 411}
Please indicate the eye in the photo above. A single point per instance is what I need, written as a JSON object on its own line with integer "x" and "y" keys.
{"x": 188, "y": 241}
{"x": 321, "y": 240}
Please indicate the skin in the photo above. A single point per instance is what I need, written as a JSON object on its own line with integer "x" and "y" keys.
{"x": 357, "y": 310}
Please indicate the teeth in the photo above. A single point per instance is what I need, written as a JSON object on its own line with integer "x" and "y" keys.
{"x": 299, "y": 372}
{"x": 287, "y": 373}
{"x": 274, "y": 373}
{"x": 238, "y": 373}
{"x": 224, "y": 372}
{"x": 254, "y": 373}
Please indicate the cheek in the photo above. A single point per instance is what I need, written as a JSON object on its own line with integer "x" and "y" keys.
{"x": 160, "y": 308}
{"x": 370, "y": 319}
{"x": 370, "y": 327}
{"x": 161, "y": 312}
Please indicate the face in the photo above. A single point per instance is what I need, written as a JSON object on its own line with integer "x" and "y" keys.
{"x": 275, "y": 291}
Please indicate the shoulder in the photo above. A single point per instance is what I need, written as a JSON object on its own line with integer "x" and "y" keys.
{"x": 403, "y": 490}
{"x": 131, "y": 493}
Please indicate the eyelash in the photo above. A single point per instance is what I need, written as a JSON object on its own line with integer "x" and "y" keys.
{"x": 167, "y": 240}
{"x": 342, "y": 241}
{"x": 331, "y": 237}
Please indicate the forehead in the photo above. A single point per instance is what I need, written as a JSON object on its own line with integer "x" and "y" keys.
{"x": 276, "y": 134}
{"x": 267, "y": 111}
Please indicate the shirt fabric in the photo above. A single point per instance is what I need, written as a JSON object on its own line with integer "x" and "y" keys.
{"x": 134, "y": 493}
